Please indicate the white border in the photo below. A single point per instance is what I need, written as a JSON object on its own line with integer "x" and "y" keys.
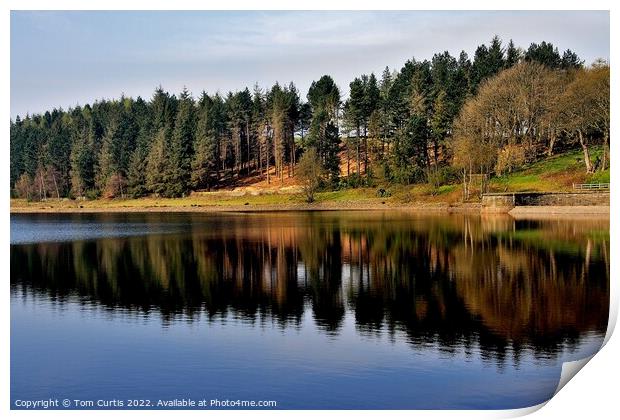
{"x": 592, "y": 394}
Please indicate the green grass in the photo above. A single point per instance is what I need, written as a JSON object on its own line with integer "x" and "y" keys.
{"x": 599, "y": 177}
{"x": 446, "y": 189}
{"x": 202, "y": 200}
{"x": 353, "y": 194}
{"x": 214, "y": 200}
{"x": 556, "y": 173}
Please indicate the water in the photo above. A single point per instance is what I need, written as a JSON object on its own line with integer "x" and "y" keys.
{"x": 330, "y": 310}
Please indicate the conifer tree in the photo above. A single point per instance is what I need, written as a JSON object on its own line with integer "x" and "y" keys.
{"x": 156, "y": 163}
{"x": 106, "y": 163}
{"x": 205, "y": 148}
{"x": 513, "y": 55}
{"x": 82, "y": 163}
{"x": 178, "y": 165}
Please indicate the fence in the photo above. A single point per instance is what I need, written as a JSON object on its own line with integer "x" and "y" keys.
{"x": 590, "y": 187}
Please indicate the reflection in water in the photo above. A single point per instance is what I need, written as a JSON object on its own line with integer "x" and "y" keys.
{"x": 458, "y": 282}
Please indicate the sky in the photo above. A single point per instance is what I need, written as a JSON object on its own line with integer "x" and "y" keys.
{"x": 69, "y": 58}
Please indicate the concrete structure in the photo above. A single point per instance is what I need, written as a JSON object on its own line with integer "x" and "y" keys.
{"x": 504, "y": 202}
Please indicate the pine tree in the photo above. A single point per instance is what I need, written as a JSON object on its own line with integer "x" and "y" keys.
{"x": 106, "y": 163}
{"x": 487, "y": 63}
{"x": 496, "y": 60}
{"x": 305, "y": 116}
{"x": 258, "y": 126}
{"x": 16, "y": 144}
{"x": 279, "y": 121}
{"x": 136, "y": 174}
{"x": 385, "y": 107}
{"x": 440, "y": 123}
{"x": 178, "y": 166}
{"x": 544, "y": 53}
{"x": 513, "y": 55}
{"x": 293, "y": 115}
{"x": 354, "y": 110}
{"x": 372, "y": 97}
{"x": 410, "y": 155}
{"x": 460, "y": 83}
{"x": 82, "y": 163}
{"x": 218, "y": 116}
{"x": 204, "y": 162}
{"x": 156, "y": 164}
{"x": 570, "y": 60}
{"x": 245, "y": 108}
{"x": 324, "y": 98}
{"x": 235, "y": 128}
{"x": 59, "y": 151}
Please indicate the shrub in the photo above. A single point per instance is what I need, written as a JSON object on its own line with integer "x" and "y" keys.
{"x": 24, "y": 187}
{"x": 381, "y": 192}
{"x": 445, "y": 175}
{"x": 310, "y": 172}
{"x": 408, "y": 174}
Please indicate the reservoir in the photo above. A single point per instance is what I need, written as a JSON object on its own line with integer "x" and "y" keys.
{"x": 313, "y": 310}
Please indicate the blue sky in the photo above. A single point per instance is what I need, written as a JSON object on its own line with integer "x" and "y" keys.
{"x": 60, "y": 59}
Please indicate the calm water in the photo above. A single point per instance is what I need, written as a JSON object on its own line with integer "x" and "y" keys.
{"x": 312, "y": 310}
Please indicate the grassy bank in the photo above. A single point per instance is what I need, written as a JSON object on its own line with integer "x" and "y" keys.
{"x": 557, "y": 173}
{"x": 360, "y": 198}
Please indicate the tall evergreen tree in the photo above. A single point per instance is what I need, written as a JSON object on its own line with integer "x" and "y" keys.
{"x": 544, "y": 53}
{"x": 496, "y": 61}
{"x": 488, "y": 61}
{"x": 59, "y": 152}
{"x": 440, "y": 123}
{"x": 107, "y": 162}
{"x": 245, "y": 107}
{"x": 410, "y": 151}
{"x": 83, "y": 162}
{"x": 16, "y": 144}
{"x": 355, "y": 113}
{"x": 385, "y": 108}
{"x": 513, "y": 55}
{"x": 157, "y": 165}
{"x": 570, "y": 60}
{"x": 136, "y": 172}
{"x": 258, "y": 127}
{"x": 204, "y": 162}
{"x": 324, "y": 98}
{"x": 179, "y": 165}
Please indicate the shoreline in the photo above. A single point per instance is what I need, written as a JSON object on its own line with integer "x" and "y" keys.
{"x": 420, "y": 207}
{"x": 434, "y": 208}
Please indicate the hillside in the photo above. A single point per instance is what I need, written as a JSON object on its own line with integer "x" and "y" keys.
{"x": 557, "y": 173}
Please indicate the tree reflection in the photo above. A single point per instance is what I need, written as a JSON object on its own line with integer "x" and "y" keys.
{"x": 456, "y": 282}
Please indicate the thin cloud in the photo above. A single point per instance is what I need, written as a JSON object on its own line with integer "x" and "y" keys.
{"x": 62, "y": 58}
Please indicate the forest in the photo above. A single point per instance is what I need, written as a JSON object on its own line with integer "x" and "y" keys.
{"x": 435, "y": 121}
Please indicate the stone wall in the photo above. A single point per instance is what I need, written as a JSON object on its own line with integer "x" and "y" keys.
{"x": 505, "y": 201}
{"x": 497, "y": 203}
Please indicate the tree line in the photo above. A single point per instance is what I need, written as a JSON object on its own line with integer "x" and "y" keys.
{"x": 406, "y": 126}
